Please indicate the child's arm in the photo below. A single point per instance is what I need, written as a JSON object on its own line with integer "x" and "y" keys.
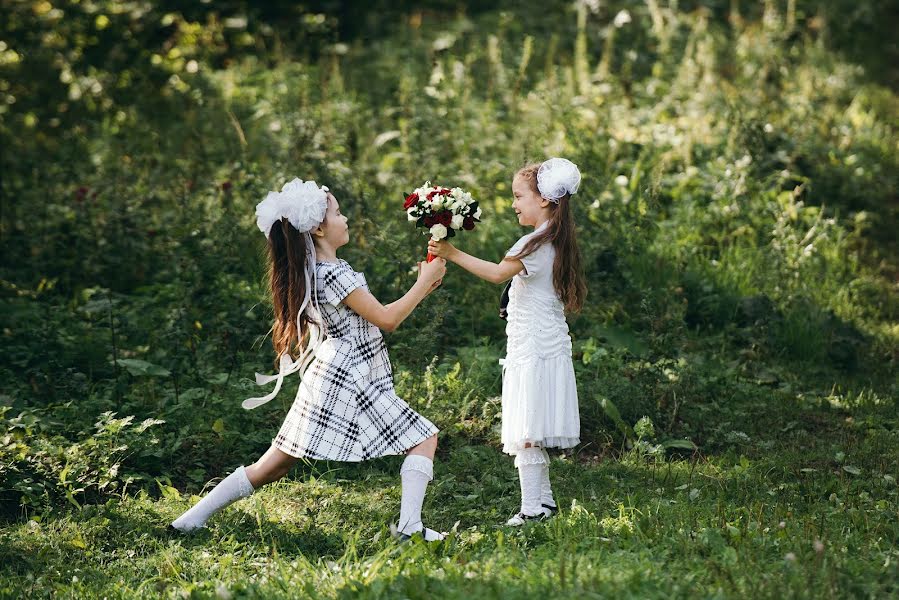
{"x": 492, "y": 272}
{"x": 389, "y": 317}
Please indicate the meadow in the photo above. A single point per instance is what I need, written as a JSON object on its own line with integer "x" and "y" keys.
{"x": 736, "y": 359}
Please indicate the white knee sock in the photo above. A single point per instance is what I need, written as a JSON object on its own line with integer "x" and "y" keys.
{"x": 232, "y": 488}
{"x": 416, "y": 472}
{"x": 546, "y": 490}
{"x": 530, "y": 463}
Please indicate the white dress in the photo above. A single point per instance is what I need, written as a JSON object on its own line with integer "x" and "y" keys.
{"x": 540, "y": 404}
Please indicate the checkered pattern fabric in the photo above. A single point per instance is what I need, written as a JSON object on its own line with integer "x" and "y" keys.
{"x": 346, "y": 408}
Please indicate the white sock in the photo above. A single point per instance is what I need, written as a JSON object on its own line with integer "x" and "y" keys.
{"x": 530, "y": 463}
{"x": 546, "y": 490}
{"x": 416, "y": 472}
{"x": 232, "y": 488}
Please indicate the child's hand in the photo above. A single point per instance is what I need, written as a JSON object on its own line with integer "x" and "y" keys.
{"x": 432, "y": 273}
{"x": 443, "y": 249}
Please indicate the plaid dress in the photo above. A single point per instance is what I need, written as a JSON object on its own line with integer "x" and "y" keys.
{"x": 346, "y": 408}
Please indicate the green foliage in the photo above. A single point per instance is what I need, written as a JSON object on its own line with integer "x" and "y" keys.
{"x": 736, "y": 221}
{"x": 39, "y": 468}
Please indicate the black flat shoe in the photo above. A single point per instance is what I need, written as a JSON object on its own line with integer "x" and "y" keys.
{"x": 401, "y": 537}
{"x": 520, "y": 519}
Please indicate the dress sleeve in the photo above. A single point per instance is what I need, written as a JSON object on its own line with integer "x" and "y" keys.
{"x": 531, "y": 262}
{"x": 336, "y": 282}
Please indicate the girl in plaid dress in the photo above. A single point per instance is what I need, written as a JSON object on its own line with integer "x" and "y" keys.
{"x": 346, "y": 408}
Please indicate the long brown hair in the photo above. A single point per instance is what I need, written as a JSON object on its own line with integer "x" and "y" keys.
{"x": 568, "y": 275}
{"x": 286, "y": 268}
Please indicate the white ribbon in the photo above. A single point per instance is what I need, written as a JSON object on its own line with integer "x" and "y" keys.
{"x": 286, "y": 366}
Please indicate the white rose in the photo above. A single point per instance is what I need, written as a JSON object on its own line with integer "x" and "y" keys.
{"x": 477, "y": 213}
{"x": 438, "y": 232}
{"x": 457, "y": 221}
{"x": 437, "y": 202}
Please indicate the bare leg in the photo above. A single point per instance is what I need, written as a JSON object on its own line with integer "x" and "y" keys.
{"x": 427, "y": 448}
{"x": 271, "y": 466}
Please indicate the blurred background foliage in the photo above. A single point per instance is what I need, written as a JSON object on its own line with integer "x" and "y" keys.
{"x": 737, "y": 215}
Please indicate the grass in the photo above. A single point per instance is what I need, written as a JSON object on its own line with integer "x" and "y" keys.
{"x": 740, "y": 179}
{"x": 803, "y": 504}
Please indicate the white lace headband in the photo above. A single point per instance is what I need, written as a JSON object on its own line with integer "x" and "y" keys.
{"x": 304, "y": 205}
{"x": 557, "y": 177}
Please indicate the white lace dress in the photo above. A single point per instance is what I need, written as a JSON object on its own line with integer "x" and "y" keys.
{"x": 540, "y": 404}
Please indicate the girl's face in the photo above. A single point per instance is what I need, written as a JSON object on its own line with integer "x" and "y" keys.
{"x": 335, "y": 231}
{"x": 531, "y": 208}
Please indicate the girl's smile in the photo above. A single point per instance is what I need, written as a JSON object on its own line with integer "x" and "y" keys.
{"x": 530, "y": 208}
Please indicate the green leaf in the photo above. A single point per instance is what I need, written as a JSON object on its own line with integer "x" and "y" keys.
{"x": 612, "y": 412}
{"x": 620, "y": 337}
{"x": 168, "y": 491}
{"x": 218, "y": 426}
{"x": 63, "y": 474}
{"x": 218, "y": 378}
{"x": 138, "y": 367}
{"x": 852, "y": 470}
{"x": 71, "y": 498}
{"x": 682, "y": 444}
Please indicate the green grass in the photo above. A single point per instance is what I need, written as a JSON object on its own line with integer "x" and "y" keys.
{"x": 736, "y": 220}
{"x": 803, "y": 504}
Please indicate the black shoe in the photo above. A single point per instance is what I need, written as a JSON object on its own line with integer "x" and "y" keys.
{"x": 520, "y": 519}
{"x": 401, "y": 537}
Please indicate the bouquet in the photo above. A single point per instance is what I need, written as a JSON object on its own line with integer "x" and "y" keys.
{"x": 442, "y": 211}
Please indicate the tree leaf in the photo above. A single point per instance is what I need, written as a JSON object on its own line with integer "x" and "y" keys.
{"x": 138, "y": 367}
{"x": 682, "y": 444}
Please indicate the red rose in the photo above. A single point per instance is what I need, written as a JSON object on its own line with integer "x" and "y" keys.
{"x": 430, "y": 222}
{"x": 468, "y": 223}
{"x": 411, "y": 199}
{"x": 445, "y": 218}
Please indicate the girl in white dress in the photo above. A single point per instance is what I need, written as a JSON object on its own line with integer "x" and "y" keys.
{"x": 346, "y": 408}
{"x": 540, "y": 405}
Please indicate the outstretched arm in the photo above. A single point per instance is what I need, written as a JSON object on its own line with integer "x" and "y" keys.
{"x": 492, "y": 272}
{"x": 388, "y": 317}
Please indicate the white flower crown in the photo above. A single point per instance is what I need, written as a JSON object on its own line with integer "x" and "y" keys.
{"x": 304, "y": 204}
